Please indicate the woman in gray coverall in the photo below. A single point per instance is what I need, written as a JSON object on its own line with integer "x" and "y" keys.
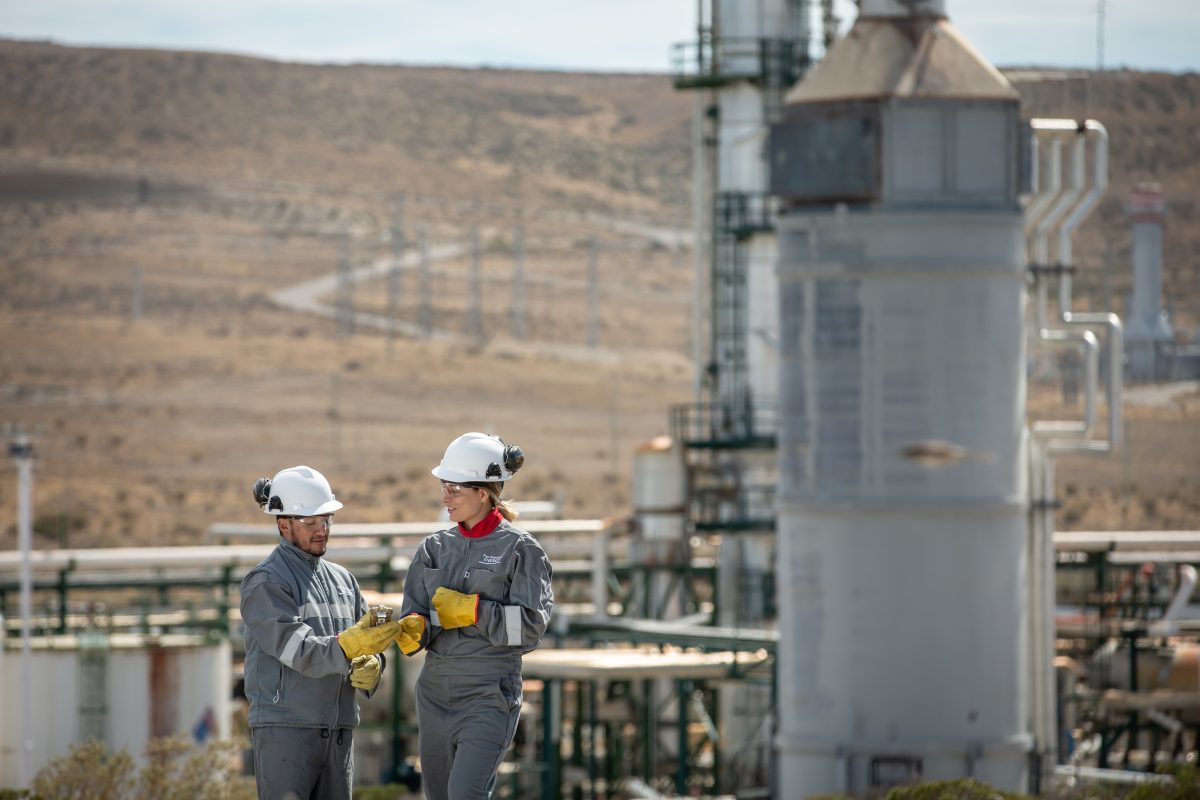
{"x": 477, "y": 597}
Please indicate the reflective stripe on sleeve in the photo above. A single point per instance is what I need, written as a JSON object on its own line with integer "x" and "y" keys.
{"x": 512, "y": 624}
{"x": 314, "y": 611}
{"x": 291, "y": 648}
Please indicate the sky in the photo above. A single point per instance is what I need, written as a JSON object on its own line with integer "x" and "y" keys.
{"x": 576, "y": 35}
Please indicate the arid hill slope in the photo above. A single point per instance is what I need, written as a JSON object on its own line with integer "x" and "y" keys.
{"x": 153, "y": 202}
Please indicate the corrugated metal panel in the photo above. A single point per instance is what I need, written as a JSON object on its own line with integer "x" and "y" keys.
{"x": 916, "y": 58}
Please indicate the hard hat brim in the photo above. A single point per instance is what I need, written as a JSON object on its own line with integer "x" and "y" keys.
{"x": 328, "y": 507}
{"x": 460, "y": 477}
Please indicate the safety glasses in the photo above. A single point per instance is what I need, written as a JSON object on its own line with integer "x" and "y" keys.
{"x": 455, "y": 489}
{"x": 322, "y": 521}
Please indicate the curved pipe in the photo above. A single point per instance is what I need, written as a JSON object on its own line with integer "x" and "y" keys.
{"x": 1113, "y": 383}
{"x": 1042, "y": 195}
{"x": 1187, "y": 584}
{"x": 1096, "y": 131}
{"x": 1036, "y": 213}
{"x": 1091, "y": 348}
{"x": 1065, "y": 199}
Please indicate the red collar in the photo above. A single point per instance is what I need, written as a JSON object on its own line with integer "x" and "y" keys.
{"x": 483, "y": 527}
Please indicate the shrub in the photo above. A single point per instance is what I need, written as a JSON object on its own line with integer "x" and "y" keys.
{"x": 1185, "y": 787}
{"x": 964, "y": 789}
{"x": 173, "y": 769}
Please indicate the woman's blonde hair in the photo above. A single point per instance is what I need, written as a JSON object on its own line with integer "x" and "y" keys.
{"x": 493, "y": 492}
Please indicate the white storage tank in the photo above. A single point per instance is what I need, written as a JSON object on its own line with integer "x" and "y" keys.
{"x": 123, "y": 689}
{"x": 902, "y": 496}
{"x": 660, "y": 490}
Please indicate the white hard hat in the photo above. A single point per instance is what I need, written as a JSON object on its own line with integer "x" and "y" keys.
{"x": 296, "y": 492}
{"x": 479, "y": 458}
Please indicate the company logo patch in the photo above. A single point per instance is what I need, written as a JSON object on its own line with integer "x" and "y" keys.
{"x": 491, "y": 560}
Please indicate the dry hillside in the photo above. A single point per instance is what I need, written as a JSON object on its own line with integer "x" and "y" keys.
{"x": 153, "y": 202}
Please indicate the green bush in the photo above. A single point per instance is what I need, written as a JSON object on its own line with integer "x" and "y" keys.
{"x": 1185, "y": 787}
{"x": 964, "y": 789}
{"x": 173, "y": 769}
{"x": 392, "y": 791}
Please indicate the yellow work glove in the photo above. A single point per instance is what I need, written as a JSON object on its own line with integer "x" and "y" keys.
{"x": 360, "y": 639}
{"x": 412, "y": 628}
{"x": 364, "y": 672}
{"x": 455, "y": 609}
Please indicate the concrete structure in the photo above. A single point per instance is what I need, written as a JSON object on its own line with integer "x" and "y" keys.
{"x": 902, "y": 505}
{"x": 122, "y": 690}
{"x": 1148, "y": 330}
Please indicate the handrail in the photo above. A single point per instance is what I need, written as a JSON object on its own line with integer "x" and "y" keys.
{"x": 737, "y": 57}
{"x": 388, "y": 530}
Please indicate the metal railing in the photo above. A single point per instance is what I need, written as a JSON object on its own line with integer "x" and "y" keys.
{"x": 725, "y": 425}
{"x": 744, "y": 507}
{"x": 741, "y": 214}
{"x": 714, "y": 61}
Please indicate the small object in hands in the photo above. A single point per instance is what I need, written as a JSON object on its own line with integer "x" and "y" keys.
{"x": 380, "y": 615}
{"x": 363, "y": 638}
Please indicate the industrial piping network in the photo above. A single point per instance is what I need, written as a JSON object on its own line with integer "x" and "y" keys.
{"x": 581, "y": 548}
{"x": 713, "y": 654}
{"x": 1063, "y": 209}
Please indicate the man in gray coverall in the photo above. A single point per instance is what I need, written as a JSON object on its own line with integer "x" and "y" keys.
{"x": 305, "y": 654}
{"x": 478, "y": 597}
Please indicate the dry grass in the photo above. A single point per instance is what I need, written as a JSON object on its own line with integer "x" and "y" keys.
{"x": 1151, "y": 482}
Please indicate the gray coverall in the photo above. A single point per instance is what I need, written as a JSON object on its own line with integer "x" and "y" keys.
{"x": 468, "y": 695}
{"x": 303, "y": 710}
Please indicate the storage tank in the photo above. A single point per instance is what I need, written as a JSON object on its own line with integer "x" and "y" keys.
{"x": 123, "y": 691}
{"x": 659, "y": 509}
{"x": 902, "y": 495}
{"x": 660, "y": 490}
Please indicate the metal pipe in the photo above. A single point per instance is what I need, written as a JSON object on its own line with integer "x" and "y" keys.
{"x": 1089, "y": 129}
{"x": 1091, "y": 349}
{"x": 1040, "y": 251}
{"x": 1042, "y": 195}
{"x": 379, "y": 530}
{"x": 1113, "y": 384}
{"x": 1166, "y": 625}
{"x": 1045, "y": 622}
{"x": 1093, "y": 130}
{"x": 1038, "y": 655}
{"x": 1042, "y": 608}
{"x": 600, "y": 574}
{"x": 128, "y": 558}
{"x": 22, "y": 452}
{"x": 1078, "y": 181}
{"x": 1061, "y": 205}
{"x": 1099, "y": 775}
